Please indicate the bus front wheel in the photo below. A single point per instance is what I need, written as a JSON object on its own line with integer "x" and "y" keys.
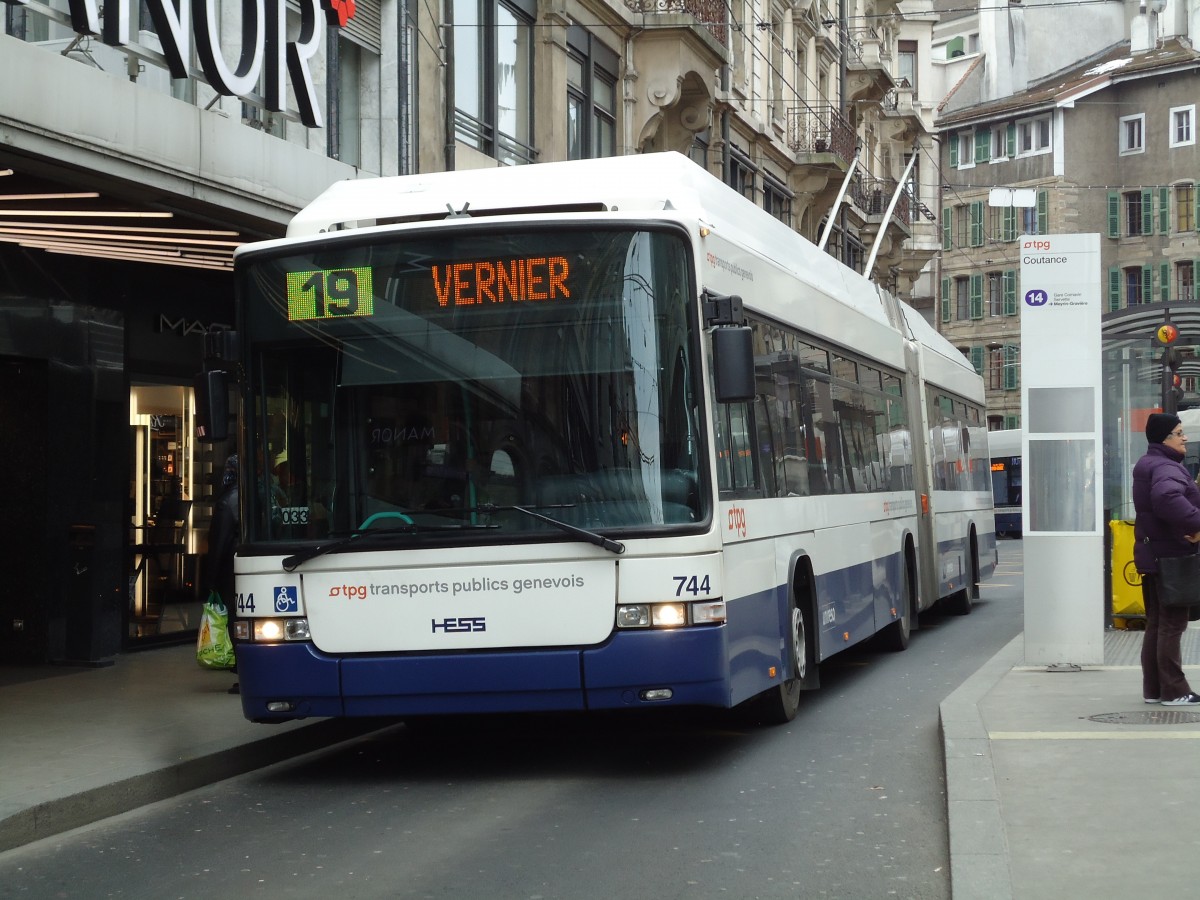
{"x": 778, "y": 705}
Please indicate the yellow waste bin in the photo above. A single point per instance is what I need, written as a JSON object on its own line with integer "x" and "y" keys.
{"x": 1126, "y": 582}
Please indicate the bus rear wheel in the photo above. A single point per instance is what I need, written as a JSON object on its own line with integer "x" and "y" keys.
{"x": 959, "y": 604}
{"x": 896, "y": 635}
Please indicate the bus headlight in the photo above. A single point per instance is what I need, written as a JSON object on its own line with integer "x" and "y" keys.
{"x": 271, "y": 631}
{"x": 670, "y": 615}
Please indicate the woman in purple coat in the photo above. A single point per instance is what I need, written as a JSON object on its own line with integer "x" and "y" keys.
{"x": 1167, "y": 503}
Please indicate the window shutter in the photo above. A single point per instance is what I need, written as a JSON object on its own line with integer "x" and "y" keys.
{"x": 945, "y": 299}
{"x": 953, "y": 150}
{"x": 983, "y": 139}
{"x": 1164, "y": 282}
{"x": 1012, "y": 379}
{"x": 1196, "y": 198}
{"x": 977, "y": 223}
{"x": 1010, "y": 292}
{"x": 977, "y": 296}
{"x": 1010, "y": 139}
{"x": 1164, "y": 211}
{"x": 1195, "y": 281}
{"x": 1147, "y": 211}
{"x": 1114, "y": 289}
{"x": 977, "y": 359}
{"x": 947, "y": 226}
{"x": 1010, "y": 223}
{"x": 1012, "y": 422}
{"x": 1147, "y": 284}
{"x": 1114, "y": 214}
{"x": 1043, "y": 212}
{"x": 365, "y": 26}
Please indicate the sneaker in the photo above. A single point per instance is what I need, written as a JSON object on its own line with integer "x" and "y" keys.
{"x": 1185, "y": 700}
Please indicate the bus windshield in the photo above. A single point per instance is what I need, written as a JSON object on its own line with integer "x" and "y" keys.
{"x": 434, "y": 388}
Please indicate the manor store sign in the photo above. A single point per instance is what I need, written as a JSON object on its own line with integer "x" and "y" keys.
{"x": 265, "y": 51}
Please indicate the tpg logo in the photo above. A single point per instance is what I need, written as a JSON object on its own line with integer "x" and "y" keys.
{"x": 1035, "y": 245}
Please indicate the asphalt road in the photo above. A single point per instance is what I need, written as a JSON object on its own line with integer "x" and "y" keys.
{"x": 847, "y": 801}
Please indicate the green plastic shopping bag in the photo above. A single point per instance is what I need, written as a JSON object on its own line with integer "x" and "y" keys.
{"x": 214, "y": 649}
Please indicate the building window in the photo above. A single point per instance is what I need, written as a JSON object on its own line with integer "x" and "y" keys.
{"x": 1132, "y": 131}
{"x": 493, "y": 78}
{"x": 995, "y": 369}
{"x": 906, "y": 63}
{"x": 1183, "y": 126}
{"x": 345, "y": 85}
{"x": 1185, "y": 207}
{"x": 999, "y": 143}
{"x": 1133, "y": 286}
{"x": 1185, "y": 280}
{"x": 741, "y": 175}
{"x": 961, "y": 224}
{"x": 591, "y": 96}
{"x": 777, "y": 200}
{"x": 995, "y": 227}
{"x": 1033, "y": 136}
{"x": 962, "y": 298}
{"x": 1136, "y": 212}
{"x": 966, "y": 149}
{"x": 995, "y": 293}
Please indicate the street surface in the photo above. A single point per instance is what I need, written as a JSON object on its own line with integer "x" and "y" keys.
{"x": 847, "y": 801}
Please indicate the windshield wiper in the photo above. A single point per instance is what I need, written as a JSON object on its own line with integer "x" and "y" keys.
{"x": 583, "y": 534}
{"x": 290, "y": 563}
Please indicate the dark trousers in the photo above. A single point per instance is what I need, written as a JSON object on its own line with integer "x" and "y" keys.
{"x": 1162, "y": 668}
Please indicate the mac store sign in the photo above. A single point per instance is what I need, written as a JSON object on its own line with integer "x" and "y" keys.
{"x": 265, "y": 52}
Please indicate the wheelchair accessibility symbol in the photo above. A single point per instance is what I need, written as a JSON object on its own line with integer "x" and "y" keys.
{"x": 286, "y": 600}
{"x": 1036, "y": 297}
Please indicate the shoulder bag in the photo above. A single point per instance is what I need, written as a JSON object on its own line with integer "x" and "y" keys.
{"x": 1179, "y": 580}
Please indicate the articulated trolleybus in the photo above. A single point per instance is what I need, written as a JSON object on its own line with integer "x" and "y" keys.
{"x": 580, "y": 436}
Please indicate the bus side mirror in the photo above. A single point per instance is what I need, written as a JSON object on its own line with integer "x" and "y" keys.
{"x": 733, "y": 363}
{"x": 212, "y": 405}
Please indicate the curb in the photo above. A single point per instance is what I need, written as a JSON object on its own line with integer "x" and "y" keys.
{"x": 54, "y": 817}
{"x": 979, "y": 863}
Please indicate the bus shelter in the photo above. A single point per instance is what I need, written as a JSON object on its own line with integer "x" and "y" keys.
{"x": 1140, "y": 378}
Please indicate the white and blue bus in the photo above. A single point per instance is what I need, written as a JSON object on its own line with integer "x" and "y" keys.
{"x": 581, "y": 436}
{"x": 1005, "y": 449}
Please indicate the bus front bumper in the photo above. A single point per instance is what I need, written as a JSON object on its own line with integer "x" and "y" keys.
{"x": 684, "y": 667}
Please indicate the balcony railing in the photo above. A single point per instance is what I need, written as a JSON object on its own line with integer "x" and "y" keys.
{"x": 820, "y": 129}
{"x": 709, "y": 13}
{"x": 873, "y": 195}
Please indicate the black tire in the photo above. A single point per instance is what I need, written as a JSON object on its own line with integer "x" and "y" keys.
{"x": 959, "y": 603}
{"x": 895, "y": 636}
{"x": 778, "y": 705}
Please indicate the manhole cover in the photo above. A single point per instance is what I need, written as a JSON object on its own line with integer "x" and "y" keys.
{"x": 1149, "y": 717}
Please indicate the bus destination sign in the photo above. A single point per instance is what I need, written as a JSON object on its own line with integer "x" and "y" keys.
{"x": 531, "y": 278}
{"x": 330, "y": 294}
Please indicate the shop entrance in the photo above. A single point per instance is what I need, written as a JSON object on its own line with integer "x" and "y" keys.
{"x": 170, "y": 503}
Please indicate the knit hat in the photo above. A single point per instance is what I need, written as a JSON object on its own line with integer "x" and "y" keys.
{"x": 1159, "y": 426}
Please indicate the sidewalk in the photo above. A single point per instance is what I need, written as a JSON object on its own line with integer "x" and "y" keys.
{"x": 1064, "y": 784}
{"x": 80, "y": 744}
